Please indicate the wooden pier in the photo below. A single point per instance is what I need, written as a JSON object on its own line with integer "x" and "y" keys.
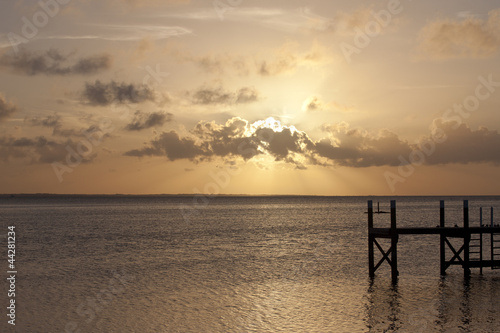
{"x": 472, "y": 242}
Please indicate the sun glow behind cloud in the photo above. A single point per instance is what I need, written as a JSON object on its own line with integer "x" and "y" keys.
{"x": 263, "y": 88}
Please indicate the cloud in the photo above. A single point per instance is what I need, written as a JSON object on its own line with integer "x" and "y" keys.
{"x": 53, "y": 62}
{"x": 6, "y": 108}
{"x": 358, "y": 148}
{"x": 288, "y": 58}
{"x": 313, "y": 104}
{"x": 283, "y": 144}
{"x": 211, "y": 96}
{"x": 285, "y": 59}
{"x": 229, "y": 139}
{"x": 349, "y": 22}
{"x": 169, "y": 144}
{"x": 216, "y": 63}
{"x": 37, "y": 150}
{"x": 464, "y": 145}
{"x": 54, "y": 122}
{"x": 147, "y": 120}
{"x": 123, "y": 32}
{"x": 247, "y": 95}
{"x": 235, "y": 138}
{"x": 344, "y": 146}
{"x": 51, "y": 121}
{"x": 469, "y": 37}
{"x": 143, "y": 3}
{"x": 103, "y": 94}
{"x": 208, "y": 95}
{"x": 294, "y": 20}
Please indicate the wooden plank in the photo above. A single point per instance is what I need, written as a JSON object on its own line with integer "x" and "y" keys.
{"x": 477, "y": 263}
{"x": 448, "y": 231}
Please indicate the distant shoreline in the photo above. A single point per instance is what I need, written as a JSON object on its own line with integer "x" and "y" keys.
{"x": 74, "y": 195}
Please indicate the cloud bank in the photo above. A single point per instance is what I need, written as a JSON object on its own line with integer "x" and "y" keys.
{"x": 343, "y": 146}
{"x": 53, "y": 62}
{"x": 37, "y": 150}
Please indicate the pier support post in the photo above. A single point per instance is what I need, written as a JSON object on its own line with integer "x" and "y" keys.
{"x": 466, "y": 240}
{"x": 371, "y": 254}
{"x": 481, "y": 241}
{"x": 394, "y": 244}
{"x": 442, "y": 248}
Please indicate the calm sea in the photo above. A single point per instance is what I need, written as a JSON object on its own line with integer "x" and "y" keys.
{"x": 235, "y": 264}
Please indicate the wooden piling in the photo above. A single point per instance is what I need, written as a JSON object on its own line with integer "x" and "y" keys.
{"x": 394, "y": 243}
{"x": 371, "y": 254}
{"x": 466, "y": 235}
{"x": 492, "y": 238}
{"x": 442, "y": 238}
{"x": 480, "y": 240}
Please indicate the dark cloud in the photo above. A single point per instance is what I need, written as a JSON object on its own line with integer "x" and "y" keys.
{"x": 6, "y": 108}
{"x": 343, "y": 146}
{"x": 247, "y": 95}
{"x": 230, "y": 139}
{"x": 206, "y": 96}
{"x": 51, "y": 121}
{"x": 102, "y": 94}
{"x": 212, "y": 96}
{"x": 147, "y": 120}
{"x": 169, "y": 144}
{"x": 209, "y": 140}
{"x": 456, "y": 143}
{"x": 233, "y": 139}
{"x": 53, "y": 62}
{"x": 357, "y": 148}
{"x": 37, "y": 150}
{"x": 464, "y": 145}
{"x": 280, "y": 144}
{"x": 54, "y": 122}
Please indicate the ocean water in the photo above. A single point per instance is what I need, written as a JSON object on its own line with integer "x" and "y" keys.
{"x": 235, "y": 264}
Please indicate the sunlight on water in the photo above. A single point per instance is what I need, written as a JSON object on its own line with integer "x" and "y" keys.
{"x": 259, "y": 264}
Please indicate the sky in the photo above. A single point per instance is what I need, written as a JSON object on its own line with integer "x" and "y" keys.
{"x": 250, "y": 97}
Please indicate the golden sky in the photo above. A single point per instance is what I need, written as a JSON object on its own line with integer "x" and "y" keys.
{"x": 250, "y": 97}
